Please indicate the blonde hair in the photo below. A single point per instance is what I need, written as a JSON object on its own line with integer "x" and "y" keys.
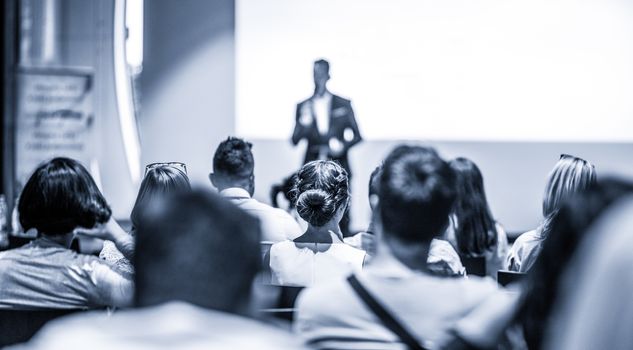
{"x": 569, "y": 176}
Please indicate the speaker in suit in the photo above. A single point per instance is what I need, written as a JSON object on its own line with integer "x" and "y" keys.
{"x": 326, "y": 121}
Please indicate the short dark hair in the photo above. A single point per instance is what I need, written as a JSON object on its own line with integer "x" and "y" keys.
{"x": 321, "y": 188}
{"x": 234, "y": 159}
{"x": 60, "y": 196}
{"x": 198, "y": 248}
{"x": 324, "y": 63}
{"x": 417, "y": 191}
{"x": 158, "y": 182}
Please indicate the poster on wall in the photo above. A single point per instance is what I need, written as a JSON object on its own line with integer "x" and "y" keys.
{"x": 54, "y": 118}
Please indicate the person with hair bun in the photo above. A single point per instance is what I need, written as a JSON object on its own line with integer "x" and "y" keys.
{"x": 398, "y": 301}
{"x": 321, "y": 193}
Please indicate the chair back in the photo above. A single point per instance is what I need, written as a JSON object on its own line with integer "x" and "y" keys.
{"x": 285, "y": 307}
{"x": 507, "y": 277}
{"x": 474, "y": 265}
{"x": 18, "y": 326}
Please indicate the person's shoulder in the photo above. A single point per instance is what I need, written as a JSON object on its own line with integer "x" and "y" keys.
{"x": 340, "y": 100}
{"x": 527, "y": 237}
{"x": 255, "y": 205}
{"x": 437, "y": 243}
{"x": 318, "y": 299}
{"x": 475, "y": 288}
{"x": 231, "y": 328}
{"x": 73, "y": 332}
{"x": 501, "y": 231}
{"x": 283, "y": 248}
{"x": 301, "y": 103}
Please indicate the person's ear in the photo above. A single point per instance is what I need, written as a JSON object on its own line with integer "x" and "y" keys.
{"x": 374, "y": 200}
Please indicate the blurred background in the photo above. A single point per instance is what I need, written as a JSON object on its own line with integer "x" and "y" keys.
{"x": 510, "y": 84}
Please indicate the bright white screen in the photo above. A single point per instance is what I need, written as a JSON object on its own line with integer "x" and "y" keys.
{"x": 532, "y": 70}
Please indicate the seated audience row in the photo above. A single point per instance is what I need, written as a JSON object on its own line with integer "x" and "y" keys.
{"x": 194, "y": 256}
{"x": 395, "y": 299}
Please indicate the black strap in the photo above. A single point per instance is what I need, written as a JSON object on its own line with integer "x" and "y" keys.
{"x": 385, "y": 317}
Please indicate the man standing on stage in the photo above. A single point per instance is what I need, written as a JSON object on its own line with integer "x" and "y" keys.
{"x": 327, "y": 122}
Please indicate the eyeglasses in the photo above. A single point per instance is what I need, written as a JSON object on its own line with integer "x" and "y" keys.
{"x": 176, "y": 165}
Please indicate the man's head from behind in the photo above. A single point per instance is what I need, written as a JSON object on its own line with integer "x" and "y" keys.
{"x": 417, "y": 191}
{"x": 198, "y": 248}
{"x": 233, "y": 165}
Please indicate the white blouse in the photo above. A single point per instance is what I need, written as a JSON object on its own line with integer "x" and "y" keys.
{"x": 307, "y": 264}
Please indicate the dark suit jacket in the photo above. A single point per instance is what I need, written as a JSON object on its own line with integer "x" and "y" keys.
{"x": 341, "y": 119}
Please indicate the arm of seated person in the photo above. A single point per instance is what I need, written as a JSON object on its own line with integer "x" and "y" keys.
{"x": 484, "y": 326}
{"x": 111, "y": 231}
{"x": 112, "y": 288}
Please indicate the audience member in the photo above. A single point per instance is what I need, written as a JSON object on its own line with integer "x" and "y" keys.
{"x": 569, "y": 176}
{"x": 594, "y": 309}
{"x": 417, "y": 192}
{"x": 322, "y": 194}
{"x": 59, "y": 199}
{"x": 192, "y": 292}
{"x": 473, "y": 230}
{"x": 234, "y": 177}
{"x": 161, "y": 180}
{"x": 568, "y": 229}
{"x": 443, "y": 259}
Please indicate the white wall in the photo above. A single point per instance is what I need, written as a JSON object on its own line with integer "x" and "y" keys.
{"x": 188, "y": 79}
{"x": 86, "y": 41}
{"x": 485, "y": 70}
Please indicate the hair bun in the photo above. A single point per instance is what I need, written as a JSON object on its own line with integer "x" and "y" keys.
{"x": 316, "y": 207}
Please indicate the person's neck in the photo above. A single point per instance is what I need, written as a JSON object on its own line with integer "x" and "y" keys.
{"x": 63, "y": 240}
{"x": 328, "y": 233}
{"x": 321, "y": 93}
{"x": 234, "y": 185}
{"x": 393, "y": 251}
{"x": 373, "y": 224}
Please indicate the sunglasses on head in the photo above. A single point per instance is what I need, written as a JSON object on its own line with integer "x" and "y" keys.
{"x": 569, "y": 156}
{"x": 176, "y": 165}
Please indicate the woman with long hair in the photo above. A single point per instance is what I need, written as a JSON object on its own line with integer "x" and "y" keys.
{"x": 545, "y": 284}
{"x": 160, "y": 180}
{"x": 571, "y": 175}
{"x": 473, "y": 230}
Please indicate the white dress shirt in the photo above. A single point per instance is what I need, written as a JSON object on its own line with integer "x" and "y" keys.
{"x": 321, "y": 106}
{"x": 276, "y": 224}
{"x": 307, "y": 264}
